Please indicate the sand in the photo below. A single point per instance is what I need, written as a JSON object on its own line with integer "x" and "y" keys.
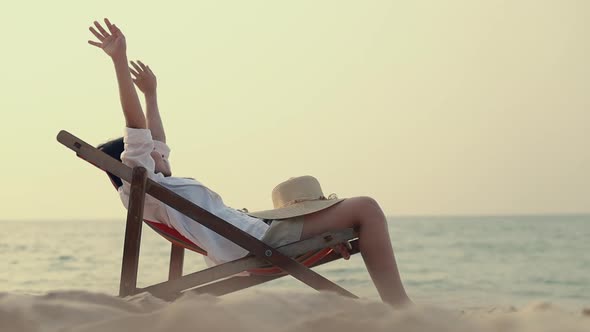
{"x": 267, "y": 311}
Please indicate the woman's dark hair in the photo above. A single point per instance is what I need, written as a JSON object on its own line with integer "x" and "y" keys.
{"x": 113, "y": 148}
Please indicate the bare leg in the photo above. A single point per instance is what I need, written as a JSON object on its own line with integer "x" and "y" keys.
{"x": 374, "y": 241}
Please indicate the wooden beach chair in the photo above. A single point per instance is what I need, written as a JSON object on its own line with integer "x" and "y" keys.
{"x": 264, "y": 262}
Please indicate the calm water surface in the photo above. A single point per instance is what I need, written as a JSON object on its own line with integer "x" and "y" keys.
{"x": 447, "y": 261}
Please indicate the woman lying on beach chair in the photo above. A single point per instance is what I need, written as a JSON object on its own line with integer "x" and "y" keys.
{"x": 144, "y": 144}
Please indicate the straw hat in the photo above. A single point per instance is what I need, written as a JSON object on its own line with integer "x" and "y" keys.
{"x": 296, "y": 197}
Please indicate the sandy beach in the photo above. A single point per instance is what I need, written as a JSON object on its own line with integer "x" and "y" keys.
{"x": 267, "y": 311}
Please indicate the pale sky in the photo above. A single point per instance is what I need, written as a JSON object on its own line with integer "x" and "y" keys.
{"x": 430, "y": 107}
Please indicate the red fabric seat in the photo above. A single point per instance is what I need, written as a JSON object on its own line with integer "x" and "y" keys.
{"x": 175, "y": 237}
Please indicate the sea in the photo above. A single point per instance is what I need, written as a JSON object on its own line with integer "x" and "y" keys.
{"x": 454, "y": 262}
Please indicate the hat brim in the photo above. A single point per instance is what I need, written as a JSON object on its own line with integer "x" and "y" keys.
{"x": 295, "y": 210}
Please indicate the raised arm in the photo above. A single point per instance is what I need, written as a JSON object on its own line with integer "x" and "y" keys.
{"x": 146, "y": 81}
{"x": 112, "y": 42}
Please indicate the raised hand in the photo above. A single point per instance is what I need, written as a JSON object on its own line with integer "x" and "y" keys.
{"x": 143, "y": 77}
{"x": 112, "y": 42}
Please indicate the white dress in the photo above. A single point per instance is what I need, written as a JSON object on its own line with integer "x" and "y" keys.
{"x": 138, "y": 148}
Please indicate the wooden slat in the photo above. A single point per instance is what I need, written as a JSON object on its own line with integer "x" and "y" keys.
{"x": 203, "y": 217}
{"x": 243, "y": 264}
{"x": 94, "y": 156}
{"x": 130, "y": 262}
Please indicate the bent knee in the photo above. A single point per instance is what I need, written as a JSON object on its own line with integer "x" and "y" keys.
{"x": 366, "y": 204}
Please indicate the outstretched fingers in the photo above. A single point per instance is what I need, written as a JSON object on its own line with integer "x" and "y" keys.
{"x": 101, "y": 29}
{"x": 100, "y": 33}
{"x": 137, "y": 68}
{"x": 112, "y": 28}
{"x": 99, "y": 45}
{"x": 135, "y": 74}
{"x": 96, "y": 34}
{"x": 143, "y": 67}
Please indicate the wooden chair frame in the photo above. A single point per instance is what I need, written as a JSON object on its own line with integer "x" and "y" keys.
{"x": 217, "y": 280}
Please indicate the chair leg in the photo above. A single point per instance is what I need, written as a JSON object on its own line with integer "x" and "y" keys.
{"x": 176, "y": 262}
{"x": 130, "y": 265}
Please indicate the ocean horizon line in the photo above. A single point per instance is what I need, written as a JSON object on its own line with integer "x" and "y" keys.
{"x": 393, "y": 216}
